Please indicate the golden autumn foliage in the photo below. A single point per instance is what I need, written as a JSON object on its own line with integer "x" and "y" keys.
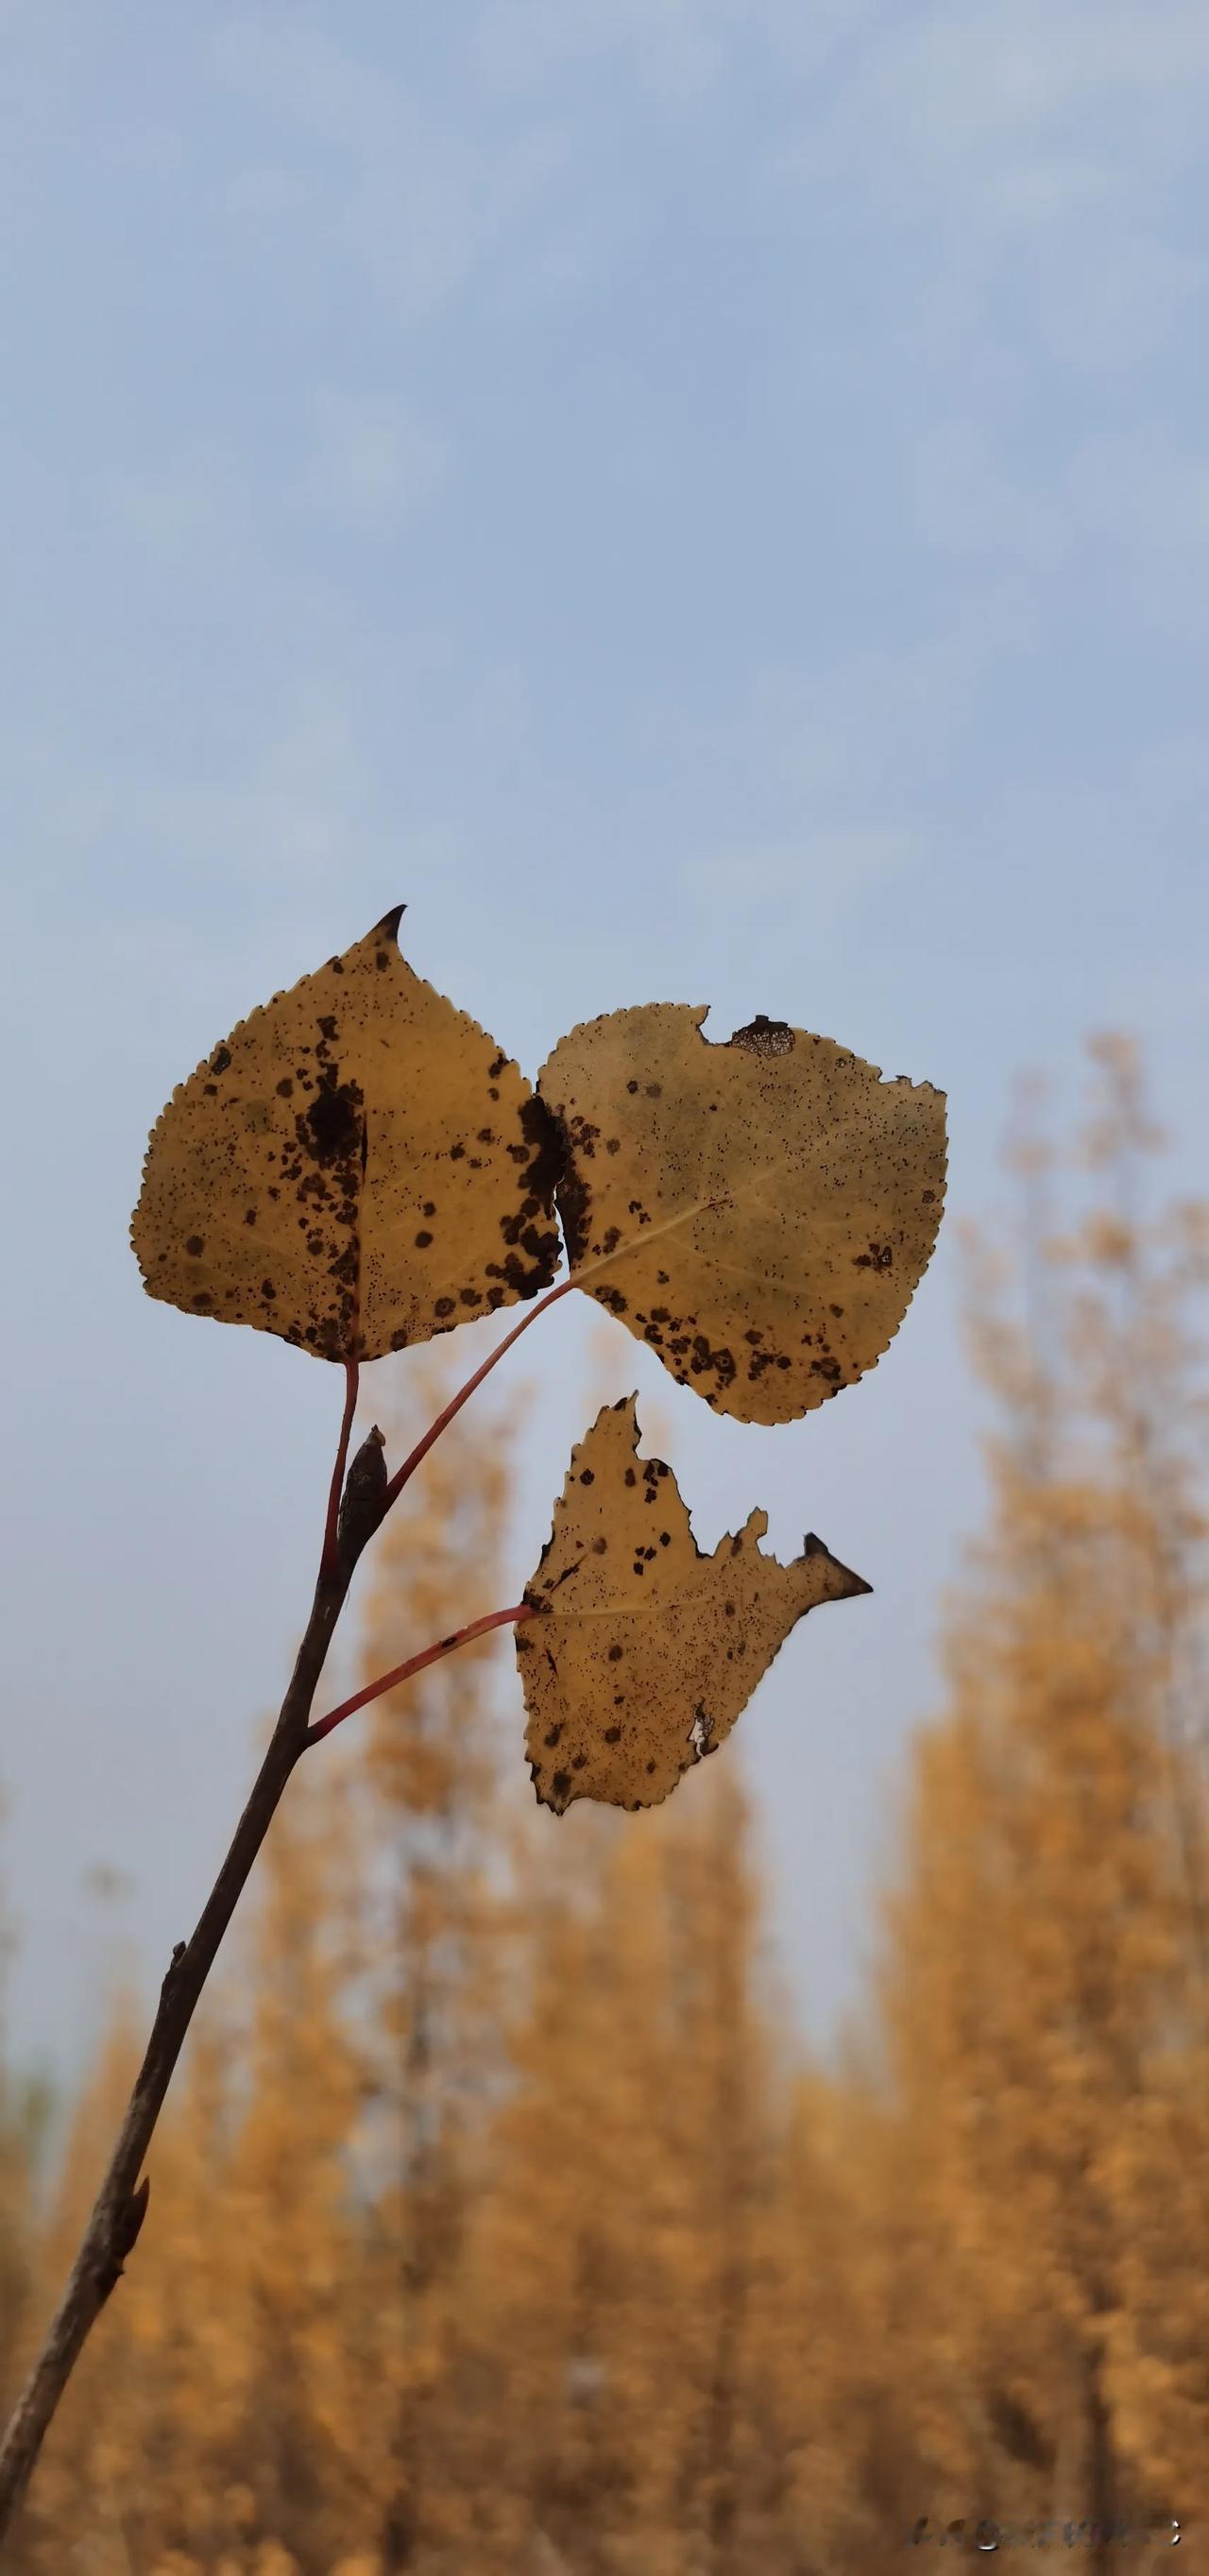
{"x": 772, "y": 1201}
{"x": 359, "y": 1166}
{"x": 641, "y": 1651}
{"x": 501, "y": 2225}
{"x": 356, "y": 1167}
{"x": 757, "y": 1212}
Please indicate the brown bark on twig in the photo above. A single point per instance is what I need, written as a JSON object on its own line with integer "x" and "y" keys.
{"x": 357, "y": 1504}
{"x": 122, "y": 2199}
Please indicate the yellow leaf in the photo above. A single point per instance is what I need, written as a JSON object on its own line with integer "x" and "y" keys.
{"x": 357, "y": 1167}
{"x": 645, "y": 1651}
{"x": 759, "y": 1213}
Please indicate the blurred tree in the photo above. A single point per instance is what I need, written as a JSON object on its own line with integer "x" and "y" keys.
{"x": 617, "y": 2255}
{"x": 290, "y": 2191}
{"x": 500, "y": 2228}
{"x": 82, "y": 2488}
{"x": 440, "y": 1812}
{"x": 25, "y": 2110}
{"x": 1043, "y": 1993}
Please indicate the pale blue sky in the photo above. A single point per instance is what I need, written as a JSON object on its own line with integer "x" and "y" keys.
{"x": 702, "y": 499}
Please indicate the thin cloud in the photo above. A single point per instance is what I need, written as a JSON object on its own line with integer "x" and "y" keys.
{"x": 372, "y": 464}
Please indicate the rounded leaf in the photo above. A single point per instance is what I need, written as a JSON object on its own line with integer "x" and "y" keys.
{"x": 759, "y": 1212}
{"x": 357, "y": 1167}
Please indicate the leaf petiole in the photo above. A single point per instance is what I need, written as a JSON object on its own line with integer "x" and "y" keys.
{"x": 329, "y": 1559}
{"x": 416, "y": 1663}
{"x": 403, "y": 1474}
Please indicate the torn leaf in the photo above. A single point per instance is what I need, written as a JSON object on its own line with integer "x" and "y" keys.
{"x": 642, "y": 1652}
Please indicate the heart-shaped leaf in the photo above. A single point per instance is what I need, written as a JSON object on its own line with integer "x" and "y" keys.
{"x": 642, "y": 1652}
{"x": 758, "y": 1212}
{"x": 357, "y": 1167}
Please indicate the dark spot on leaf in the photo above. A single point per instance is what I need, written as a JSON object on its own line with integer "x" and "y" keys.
{"x": 560, "y": 1783}
{"x": 763, "y": 1036}
{"x": 423, "y": 1239}
{"x": 330, "y": 1130}
{"x": 574, "y": 1207}
{"x": 220, "y": 1059}
{"x": 587, "y": 1477}
{"x": 615, "y": 1654}
{"x": 612, "y": 1735}
{"x": 195, "y": 1244}
{"x": 546, "y": 1150}
{"x": 444, "y": 1306}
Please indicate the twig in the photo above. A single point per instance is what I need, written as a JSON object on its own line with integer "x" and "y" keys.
{"x": 121, "y": 2202}
{"x": 108, "y": 2235}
